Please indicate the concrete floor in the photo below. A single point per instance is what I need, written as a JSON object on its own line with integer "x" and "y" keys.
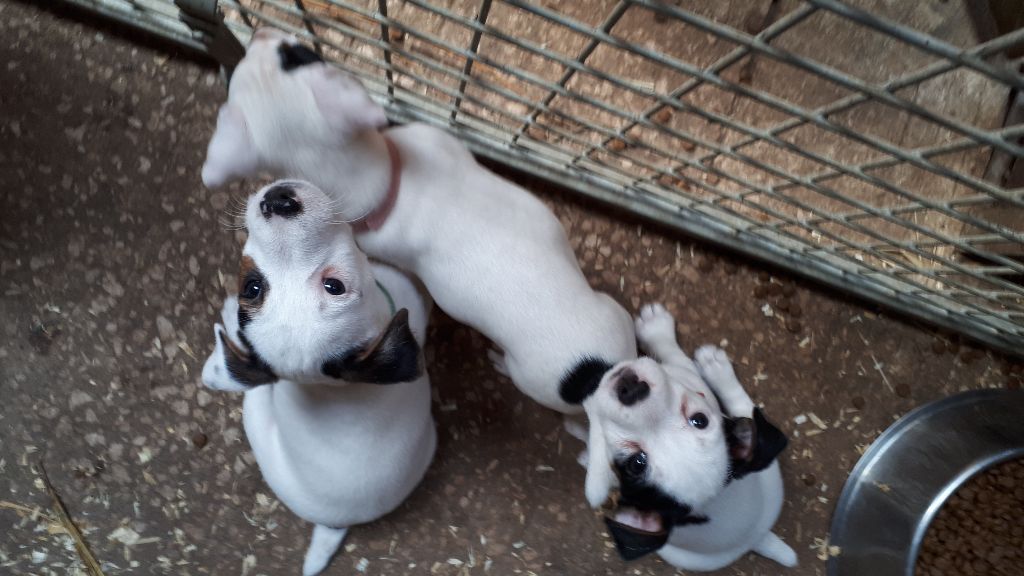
{"x": 114, "y": 261}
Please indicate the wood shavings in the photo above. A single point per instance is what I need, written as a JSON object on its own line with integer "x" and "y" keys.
{"x": 817, "y": 421}
{"x": 84, "y": 553}
{"x": 248, "y": 563}
{"x": 33, "y": 513}
{"x": 878, "y": 366}
{"x": 824, "y": 550}
{"x": 187, "y": 350}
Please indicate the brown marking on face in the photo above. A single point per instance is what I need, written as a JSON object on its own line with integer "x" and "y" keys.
{"x": 248, "y": 270}
{"x": 246, "y": 266}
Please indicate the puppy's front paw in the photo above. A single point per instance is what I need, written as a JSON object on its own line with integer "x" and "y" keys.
{"x": 714, "y": 365}
{"x": 583, "y": 458}
{"x": 655, "y": 324}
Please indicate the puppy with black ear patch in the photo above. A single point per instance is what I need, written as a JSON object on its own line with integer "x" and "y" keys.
{"x": 693, "y": 458}
{"x": 326, "y": 348}
{"x": 492, "y": 255}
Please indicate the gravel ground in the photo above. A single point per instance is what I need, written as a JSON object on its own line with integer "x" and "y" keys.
{"x": 114, "y": 260}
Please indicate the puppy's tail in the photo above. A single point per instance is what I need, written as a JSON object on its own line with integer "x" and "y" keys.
{"x": 322, "y": 547}
{"x": 773, "y": 548}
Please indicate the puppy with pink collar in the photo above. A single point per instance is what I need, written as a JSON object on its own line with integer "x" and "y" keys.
{"x": 491, "y": 255}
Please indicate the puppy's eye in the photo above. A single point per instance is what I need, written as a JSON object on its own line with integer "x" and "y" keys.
{"x": 334, "y": 287}
{"x": 252, "y": 289}
{"x": 699, "y": 421}
{"x": 637, "y": 464}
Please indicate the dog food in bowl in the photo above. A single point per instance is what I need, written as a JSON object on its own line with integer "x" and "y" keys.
{"x": 980, "y": 529}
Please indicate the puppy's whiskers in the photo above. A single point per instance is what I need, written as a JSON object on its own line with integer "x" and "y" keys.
{"x": 230, "y": 226}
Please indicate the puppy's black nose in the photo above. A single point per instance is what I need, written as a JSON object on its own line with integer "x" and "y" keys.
{"x": 281, "y": 201}
{"x": 631, "y": 389}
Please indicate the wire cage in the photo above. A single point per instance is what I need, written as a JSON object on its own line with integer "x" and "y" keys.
{"x": 872, "y": 145}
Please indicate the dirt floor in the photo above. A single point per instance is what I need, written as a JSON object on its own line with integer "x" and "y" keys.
{"x": 114, "y": 259}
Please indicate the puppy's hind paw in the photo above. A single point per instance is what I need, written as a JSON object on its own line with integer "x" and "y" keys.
{"x": 497, "y": 358}
{"x": 655, "y": 324}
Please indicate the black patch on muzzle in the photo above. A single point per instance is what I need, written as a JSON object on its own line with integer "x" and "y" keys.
{"x": 296, "y": 56}
{"x": 582, "y": 380}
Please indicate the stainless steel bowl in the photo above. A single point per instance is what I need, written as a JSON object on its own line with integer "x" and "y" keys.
{"x": 910, "y": 471}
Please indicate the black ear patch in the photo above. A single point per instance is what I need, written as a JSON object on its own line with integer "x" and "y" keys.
{"x": 393, "y": 357}
{"x": 753, "y": 444}
{"x": 296, "y": 56}
{"x": 640, "y": 494}
{"x": 632, "y": 543}
{"x": 582, "y": 380}
{"x": 246, "y": 367}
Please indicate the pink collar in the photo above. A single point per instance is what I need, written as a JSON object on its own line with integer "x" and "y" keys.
{"x": 375, "y": 219}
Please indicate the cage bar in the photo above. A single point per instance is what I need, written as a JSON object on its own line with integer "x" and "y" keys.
{"x": 816, "y": 183}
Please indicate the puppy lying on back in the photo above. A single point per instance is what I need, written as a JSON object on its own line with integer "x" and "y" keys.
{"x": 491, "y": 255}
{"x": 642, "y": 405}
{"x": 337, "y": 405}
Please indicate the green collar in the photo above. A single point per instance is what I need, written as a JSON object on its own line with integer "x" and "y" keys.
{"x": 391, "y": 301}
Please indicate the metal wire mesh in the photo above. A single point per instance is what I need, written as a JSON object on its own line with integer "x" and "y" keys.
{"x": 846, "y": 141}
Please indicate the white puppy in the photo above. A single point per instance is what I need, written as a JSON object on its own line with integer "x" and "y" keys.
{"x": 312, "y": 339}
{"x": 642, "y": 405}
{"x": 491, "y": 254}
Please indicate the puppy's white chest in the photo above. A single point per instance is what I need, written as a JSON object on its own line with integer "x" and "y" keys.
{"x": 345, "y": 465}
{"x": 738, "y": 518}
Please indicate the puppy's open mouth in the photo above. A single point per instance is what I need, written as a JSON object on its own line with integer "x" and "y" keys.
{"x": 649, "y": 522}
{"x": 636, "y": 533}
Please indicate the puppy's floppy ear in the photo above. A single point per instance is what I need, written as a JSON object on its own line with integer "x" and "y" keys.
{"x": 600, "y": 476}
{"x": 232, "y": 369}
{"x": 344, "y": 102}
{"x": 632, "y": 543}
{"x": 753, "y": 443}
{"x": 393, "y": 357}
{"x": 231, "y": 153}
